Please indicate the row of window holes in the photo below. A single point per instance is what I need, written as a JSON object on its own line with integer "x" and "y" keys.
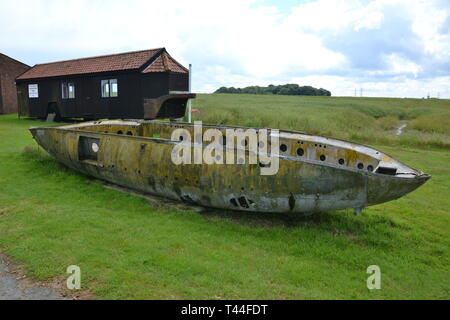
{"x": 301, "y": 153}
{"x": 283, "y": 148}
{"x": 224, "y": 141}
{"x": 125, "y": 169}
{"x": 129, "y": 133}
{"x": 185, "y": 180}
{"x": 322, "y": 158}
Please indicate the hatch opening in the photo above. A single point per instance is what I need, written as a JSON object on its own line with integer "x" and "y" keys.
{"x": 88, "y": 148}
{"x": 387, "y": 170}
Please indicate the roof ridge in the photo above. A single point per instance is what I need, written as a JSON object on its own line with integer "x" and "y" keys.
{"x": 165, "y": 61}
{"x": 100, "y": 56}
{"x": 131, "y": 61}
{"x": 176, "y": 62}
{"x": 153, "y": 62}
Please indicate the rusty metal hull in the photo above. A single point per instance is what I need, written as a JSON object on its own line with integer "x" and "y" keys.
{"x": 137, "y": 155}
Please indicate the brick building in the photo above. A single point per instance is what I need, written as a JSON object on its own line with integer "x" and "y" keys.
{"x": 9, "y": 70}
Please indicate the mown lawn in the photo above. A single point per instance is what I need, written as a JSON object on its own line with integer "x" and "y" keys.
{"x": 52, "y": 217}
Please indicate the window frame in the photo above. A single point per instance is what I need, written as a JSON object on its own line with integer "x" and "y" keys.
{"x": 104, "y": 84}
{"x": 109, "y": 84}
{"x": 66, "y": 93}
{"x": 71, "y": 94}
{"x": 113, "y": 82}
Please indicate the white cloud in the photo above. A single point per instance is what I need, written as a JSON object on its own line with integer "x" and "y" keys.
{"x": 239, "y": 42}
{"x": 250, "y": 37}
{"x": 370, "y": 20}
{"x": 335, "y": 15}
{"x": 427, "y": 24}
{"x": 398, "y": 65}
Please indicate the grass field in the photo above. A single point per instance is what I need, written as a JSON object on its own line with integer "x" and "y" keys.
{"x": 52, "y": 217}
{"x": 368, "y": 120}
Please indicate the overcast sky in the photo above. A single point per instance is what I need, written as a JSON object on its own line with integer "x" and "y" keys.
{"x": 396, "y": 48}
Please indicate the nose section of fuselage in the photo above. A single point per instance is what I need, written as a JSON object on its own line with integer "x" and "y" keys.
{"x": 383, "y": 188}
{"x": 34, "y": 131}
{"x": 39, "y": 134}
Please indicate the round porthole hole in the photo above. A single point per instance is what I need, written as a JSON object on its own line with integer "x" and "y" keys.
{"x": 95, "y": 147}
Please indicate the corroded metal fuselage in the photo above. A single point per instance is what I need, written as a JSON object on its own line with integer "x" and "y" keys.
{"x": 315, "y": 173}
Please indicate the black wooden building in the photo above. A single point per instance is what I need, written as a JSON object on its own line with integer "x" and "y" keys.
{"x": 146, "y": 84}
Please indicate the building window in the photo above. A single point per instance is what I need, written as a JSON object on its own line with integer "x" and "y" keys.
{"x": 105, "y": 88}
{"x": 71, "y": 91}
{"x": 68, "y": 90}
{"x": 110, "y": 88}
{"x": 114, "y": 87}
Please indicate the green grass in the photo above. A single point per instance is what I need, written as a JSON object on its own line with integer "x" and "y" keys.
{"x": 369, "y": 120}
{"x": 52, "y": 217}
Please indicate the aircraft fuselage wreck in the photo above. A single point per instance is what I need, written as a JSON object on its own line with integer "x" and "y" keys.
{"x": 314, "y": 173}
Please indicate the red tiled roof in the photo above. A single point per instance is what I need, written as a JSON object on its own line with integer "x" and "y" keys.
{"x": 114, "y": 62}
{"x": 165, "y": 63}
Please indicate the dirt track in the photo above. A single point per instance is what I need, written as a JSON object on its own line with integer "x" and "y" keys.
{"x": 14, "y": 287}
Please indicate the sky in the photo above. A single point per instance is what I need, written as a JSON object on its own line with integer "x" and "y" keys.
{"x": 386, "y": 48}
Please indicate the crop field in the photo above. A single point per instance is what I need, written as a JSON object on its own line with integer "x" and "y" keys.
{"x": 52, "y": 217}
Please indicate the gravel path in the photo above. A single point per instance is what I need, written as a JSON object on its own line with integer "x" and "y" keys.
{"x": 12, "y": 286}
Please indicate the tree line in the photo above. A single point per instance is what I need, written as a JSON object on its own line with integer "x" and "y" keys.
{"x": 285, "y": 89}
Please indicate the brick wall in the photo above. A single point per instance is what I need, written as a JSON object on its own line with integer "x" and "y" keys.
{"x": 9, "y": 70}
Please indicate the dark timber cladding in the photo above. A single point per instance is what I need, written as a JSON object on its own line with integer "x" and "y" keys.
{"x": 9, "y": 70}
{"x": 147, "y": 84}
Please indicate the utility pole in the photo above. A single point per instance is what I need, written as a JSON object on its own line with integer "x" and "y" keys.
{"x": 190, "y": 91}
{"x": 361, "y": 92}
